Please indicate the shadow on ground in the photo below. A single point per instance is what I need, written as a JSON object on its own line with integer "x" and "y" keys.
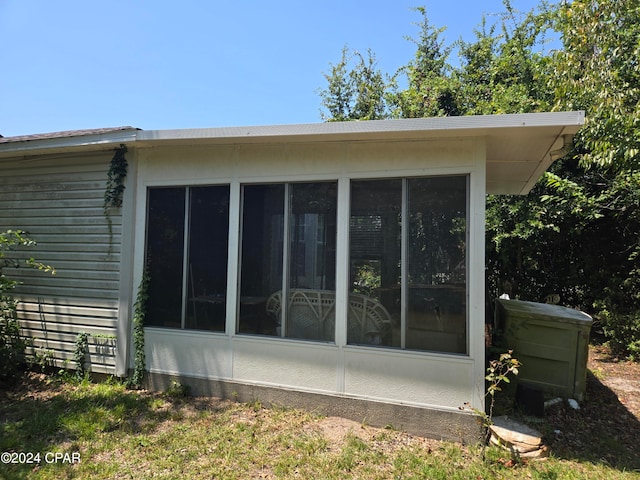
{"x": 602, "y": 431}
{"x": 39, "y": 415}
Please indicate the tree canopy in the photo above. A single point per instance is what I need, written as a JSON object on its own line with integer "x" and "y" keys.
{"x": 576, "y": 236}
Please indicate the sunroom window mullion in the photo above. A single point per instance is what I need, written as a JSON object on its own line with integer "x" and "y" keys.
{"x": 286, "y": 239}
{"x": 185, "y": 256}
{"x": 404, "y": 283}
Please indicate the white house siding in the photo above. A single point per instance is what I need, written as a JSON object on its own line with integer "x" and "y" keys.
{"x": 59, "y": 202}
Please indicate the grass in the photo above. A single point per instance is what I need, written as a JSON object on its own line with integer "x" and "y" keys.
{"x": 118, "y": 433}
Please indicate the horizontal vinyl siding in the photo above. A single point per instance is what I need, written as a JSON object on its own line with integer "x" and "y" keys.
{"x": 59, "y": 202}
{"x": 54, "y": 323}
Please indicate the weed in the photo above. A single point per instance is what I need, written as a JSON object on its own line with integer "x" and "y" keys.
{"x": 177, "y": 390}
{"x": 42, "y": 358}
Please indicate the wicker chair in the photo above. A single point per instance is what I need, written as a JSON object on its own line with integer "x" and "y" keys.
{"x": 311, "y": 316}
{"x": 369, "y": 323}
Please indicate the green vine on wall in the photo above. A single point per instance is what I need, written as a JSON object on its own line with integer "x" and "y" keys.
{"x": 115, "y": 184}
{"x": 80, "y": 353}
{"x": 139, "y": 314}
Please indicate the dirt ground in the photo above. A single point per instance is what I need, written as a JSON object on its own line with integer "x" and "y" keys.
{"x": 623, "y": 378}
{"x": 606, "y": 428}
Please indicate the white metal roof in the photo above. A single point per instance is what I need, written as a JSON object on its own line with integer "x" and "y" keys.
{"x": 519, "y": 147}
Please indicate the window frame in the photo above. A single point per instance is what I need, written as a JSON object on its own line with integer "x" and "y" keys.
{"x": 404, "y": 266}
{"x": 288, "y": 236}
{"x": 186, "y": 244}
{"x": 342, "y": 254}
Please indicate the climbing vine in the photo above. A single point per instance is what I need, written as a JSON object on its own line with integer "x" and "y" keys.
{"x": 115, "y": 184}
{"x": 139, "y": 314}
{"x": 80, "y": 353}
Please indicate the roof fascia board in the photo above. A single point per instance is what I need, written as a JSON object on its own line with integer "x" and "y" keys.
{"x": 78, "y": 142}
{"x": 472, "y": 125}
{"x": 476, "y": 125}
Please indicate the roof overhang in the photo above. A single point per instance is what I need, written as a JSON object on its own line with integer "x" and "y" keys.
{"x": 519, "y": 147}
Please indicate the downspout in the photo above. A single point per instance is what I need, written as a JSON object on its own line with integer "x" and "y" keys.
{"x": 567, "y": 145}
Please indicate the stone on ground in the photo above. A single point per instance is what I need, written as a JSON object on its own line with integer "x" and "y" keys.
{"x": 518, "y": 438}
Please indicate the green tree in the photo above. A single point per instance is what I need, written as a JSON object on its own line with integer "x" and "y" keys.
{"x": 504, "y": 69}
{"x": 598, "y": 71}
{"x": 355, "y": 89}
{"x": 577, "y": 233}
{"x": 430, "y": 89}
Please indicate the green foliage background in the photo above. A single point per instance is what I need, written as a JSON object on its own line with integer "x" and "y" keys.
{"x": 577, "y": 234}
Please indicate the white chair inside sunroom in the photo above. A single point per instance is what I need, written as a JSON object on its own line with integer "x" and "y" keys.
{"x": 311, "y": 315}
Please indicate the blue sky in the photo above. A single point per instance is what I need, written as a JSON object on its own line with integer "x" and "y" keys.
{"x": 156, "y": 64}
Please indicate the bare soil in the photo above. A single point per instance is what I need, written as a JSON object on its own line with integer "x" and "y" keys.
{"x": 606, "y": 428}
{"x": 621, "y": 377}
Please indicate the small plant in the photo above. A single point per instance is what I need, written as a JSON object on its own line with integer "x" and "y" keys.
{"x": 12, "y": 345}
{"x": 255, "y": 405}
{"x": 498, "y": 373}
{"x": 177, "y": 390}
{"x": 43, "y": 358}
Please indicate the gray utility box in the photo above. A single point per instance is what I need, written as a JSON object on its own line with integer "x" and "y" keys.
{"x": 551, "y": 341}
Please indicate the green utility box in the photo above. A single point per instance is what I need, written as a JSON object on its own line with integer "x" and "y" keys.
{"x": 551, "y": 342}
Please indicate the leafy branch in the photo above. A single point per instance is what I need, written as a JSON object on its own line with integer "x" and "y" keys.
{"x": 498, "y": 373}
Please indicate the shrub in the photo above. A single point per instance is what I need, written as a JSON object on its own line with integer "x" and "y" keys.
{"x": 622, "y": 331}
{"x": 12, "y": 345}
{"x": 619, "y": 316}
